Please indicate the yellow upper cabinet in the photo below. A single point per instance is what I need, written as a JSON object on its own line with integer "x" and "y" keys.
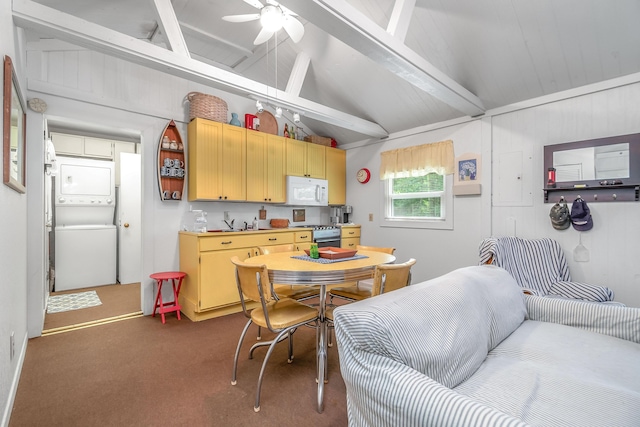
{"x": 217, "y": 161}
{"x": 305, "y": 159}
{"x": 265, "y": 168}
{"x": 336, "y": 170}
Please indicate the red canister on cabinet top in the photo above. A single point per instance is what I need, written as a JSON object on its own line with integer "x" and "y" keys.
{"x": 248, "y": 121}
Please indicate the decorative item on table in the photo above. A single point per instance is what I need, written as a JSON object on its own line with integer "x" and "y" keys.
{"x": 279, "y": 223}
{"x": 207, "y": 107}
{"x": 234, "y": 120}
{"x": 331, "y": 252}
{"x": 321, "y": 140}
{"x": 313, "y": 251}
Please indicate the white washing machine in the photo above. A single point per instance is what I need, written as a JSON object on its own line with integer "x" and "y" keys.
{"x": 85, "y": 234}
{"x": 85, "y": 256}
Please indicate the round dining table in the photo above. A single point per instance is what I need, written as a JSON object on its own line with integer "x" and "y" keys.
{"x": 285, "y": 269}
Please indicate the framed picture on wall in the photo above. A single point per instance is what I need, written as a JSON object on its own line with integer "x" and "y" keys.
{"x": 14, "y": 119}
{"x": 467, "y": 175}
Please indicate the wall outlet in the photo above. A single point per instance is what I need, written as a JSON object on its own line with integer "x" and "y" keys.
{"x": 12, "y": 345}
{"x": 226, "y": 216}
{"x": 370, "y": 217}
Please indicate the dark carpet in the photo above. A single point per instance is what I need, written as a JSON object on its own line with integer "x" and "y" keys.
{"x": 139, "y": 372}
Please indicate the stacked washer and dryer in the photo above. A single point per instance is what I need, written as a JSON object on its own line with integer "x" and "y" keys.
{"x": 85, "y": 234}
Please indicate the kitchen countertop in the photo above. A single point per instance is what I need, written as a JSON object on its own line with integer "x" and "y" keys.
{"x": 217, "y": 232}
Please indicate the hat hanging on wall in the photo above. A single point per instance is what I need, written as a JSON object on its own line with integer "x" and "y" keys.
{"x": 581, "y": 215}
{"x": 559, "y": 215}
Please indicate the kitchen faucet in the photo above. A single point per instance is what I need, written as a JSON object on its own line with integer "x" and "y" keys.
{"x": 229, "y": 225}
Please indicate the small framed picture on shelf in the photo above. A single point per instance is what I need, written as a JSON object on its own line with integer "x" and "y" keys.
{"x": 467, "y": 175}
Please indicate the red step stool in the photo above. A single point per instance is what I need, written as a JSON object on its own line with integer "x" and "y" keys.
{"x": 172, "y": 306}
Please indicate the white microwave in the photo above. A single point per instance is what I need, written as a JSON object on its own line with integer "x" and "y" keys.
{"x": 303, "y": 191}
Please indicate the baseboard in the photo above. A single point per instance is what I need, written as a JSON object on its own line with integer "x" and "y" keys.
{"x": 14, "y": 385}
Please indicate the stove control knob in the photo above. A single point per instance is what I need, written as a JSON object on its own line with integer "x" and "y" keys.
{"x": 109, "y": 201}
{"x": 61, "y": 200}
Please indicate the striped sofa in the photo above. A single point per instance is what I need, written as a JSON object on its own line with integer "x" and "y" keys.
{"x": 470, "y": 349}
{"x": 540, "y": 267}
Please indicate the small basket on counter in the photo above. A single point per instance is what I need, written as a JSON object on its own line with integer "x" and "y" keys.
{"x": 207, "y": 107}
{"x": 279, "y": 223}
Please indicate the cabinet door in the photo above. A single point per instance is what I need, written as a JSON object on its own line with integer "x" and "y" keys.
{"x": 315, "y": 160}
{"x": 257, "y": 164}
{"x": 350, "y": 243}
{"x": 234, "y": 163}
{"x": 68, "y": 144}
{"x": 218, "y": 278}
{"x": 95, "y": 147}
{"x": 204, "y": 152}
{"x": 296, "y": 157}
{"x": 336, "y": 175}
{"x": 275, "y": 174}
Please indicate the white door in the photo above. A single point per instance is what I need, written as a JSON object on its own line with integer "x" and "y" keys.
{"x": 130, "y": 221}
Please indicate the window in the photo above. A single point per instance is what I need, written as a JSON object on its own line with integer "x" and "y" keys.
{"x": 418, "y": 202}
{"x": 418, "y": 186}
{"x": 416, "y": 198}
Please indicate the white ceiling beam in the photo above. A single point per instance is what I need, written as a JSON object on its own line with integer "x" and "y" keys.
{"x": 33, "y": 16}
{"x": 203, "y": 35}
{"x": 401, "y": 18}
{"x": 346, "y": 23}
{"x": 298, "y": 73}
{"x": 168, "y": 22}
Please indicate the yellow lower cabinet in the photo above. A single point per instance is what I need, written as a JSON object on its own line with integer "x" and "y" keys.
{"x": 302, "y": 240}
{"x": 350, "y": 243}
{"x": 218, "y": 278}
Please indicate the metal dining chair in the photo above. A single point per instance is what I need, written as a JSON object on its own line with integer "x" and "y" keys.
{"x": 361, "y": 289}
{"x": 281, "y": 316}
{"x": 298, "y": 293}
{"x": 386, "y": 278}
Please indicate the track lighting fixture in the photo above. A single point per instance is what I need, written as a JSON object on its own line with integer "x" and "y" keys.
{"x": 259, "y": 106}
{"x": 296, "y": 118}
{"x": 278, "y": 112}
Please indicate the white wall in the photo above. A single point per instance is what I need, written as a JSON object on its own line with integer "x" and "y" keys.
{"x": 512, "y": 142}
{"x": 436, "y": 251}
{"x": 92, "y": 90}
{"x": 13, "y": 248}
{"x": 613, "y": 240}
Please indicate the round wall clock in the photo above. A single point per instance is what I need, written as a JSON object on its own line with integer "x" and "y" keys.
{"x": 363, "y": 176}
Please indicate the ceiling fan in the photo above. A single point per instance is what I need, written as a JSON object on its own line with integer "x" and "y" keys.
{"x": 273, "y": 17}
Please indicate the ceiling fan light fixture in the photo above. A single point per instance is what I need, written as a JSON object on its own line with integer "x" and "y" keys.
{"x": 259, "y": 106}
{"x": 271, "y": 18}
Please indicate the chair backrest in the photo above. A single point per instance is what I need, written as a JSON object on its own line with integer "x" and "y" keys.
{"x": 253, "y": 283}
{"x": 265, "y": 250}
{"x": 389, "y": 277}
{"x": 375, "y": 249}
{"x": 535, "y": 263}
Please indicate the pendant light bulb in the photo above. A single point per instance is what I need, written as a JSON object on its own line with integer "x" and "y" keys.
{"x": 278, "y": 112}
{"x": 259, "y": 106}
{"x": 296, "y": 117}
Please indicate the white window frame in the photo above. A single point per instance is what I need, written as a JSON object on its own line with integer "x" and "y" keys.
{"x": 444, "y": 223}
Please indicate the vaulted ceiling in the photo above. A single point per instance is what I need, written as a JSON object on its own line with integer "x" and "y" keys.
{"x": 365, "y": 68}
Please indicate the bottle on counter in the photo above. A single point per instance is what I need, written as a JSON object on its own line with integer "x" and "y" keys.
{"x": 254, "y": 225}
{"x": 313, "y": 251}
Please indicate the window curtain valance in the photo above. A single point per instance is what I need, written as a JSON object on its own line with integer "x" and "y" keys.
{"x": 418, "y": 160}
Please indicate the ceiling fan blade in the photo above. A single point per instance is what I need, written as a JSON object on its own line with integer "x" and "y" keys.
{"x": 263, "y": 36}
{"x": 284, "y": 9}
{"x": 254, "y": 3}
{"x": 242, "y": 18}
{"x": 293, "y": 27}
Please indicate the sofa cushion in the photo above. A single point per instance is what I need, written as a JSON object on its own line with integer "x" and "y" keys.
{"x": 461, "y": 315}
{"x": 550, "y": 374}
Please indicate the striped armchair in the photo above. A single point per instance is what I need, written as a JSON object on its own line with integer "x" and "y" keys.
{"x": 539, "y": 267}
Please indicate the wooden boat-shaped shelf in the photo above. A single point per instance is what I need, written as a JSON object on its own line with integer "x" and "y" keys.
{"x": 171, "y": 164}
